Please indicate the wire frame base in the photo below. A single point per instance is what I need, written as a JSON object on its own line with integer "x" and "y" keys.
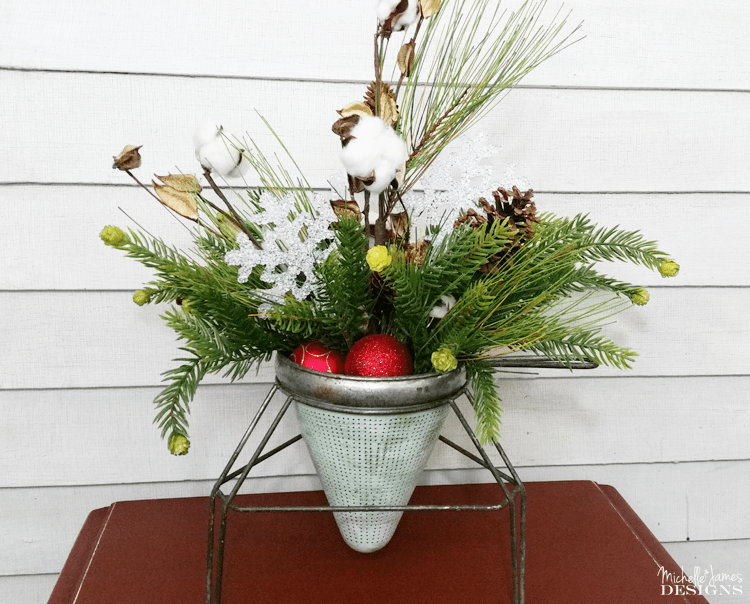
{"x": 507, "y": 480}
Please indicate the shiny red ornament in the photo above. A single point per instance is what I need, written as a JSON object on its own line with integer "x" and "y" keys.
{"x": 314, "y": 355}
{"x": 379, "y": 356}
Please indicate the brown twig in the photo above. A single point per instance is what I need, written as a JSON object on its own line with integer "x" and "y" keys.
{"x": 208, "y": 228}
{"x": 237, "y": 218}
{"x": 366, "y": 212}
{"x": 149, "y": 191}
{"x": 378, "y": 69}
{"x": 381, "y": 231}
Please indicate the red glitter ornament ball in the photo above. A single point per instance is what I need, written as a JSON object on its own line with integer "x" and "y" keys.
{"x": 317, "y": 357}
{"x": 379, "y": 356}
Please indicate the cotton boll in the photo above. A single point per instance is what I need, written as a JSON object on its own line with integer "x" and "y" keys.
{"x": 394, "y": 148}
{"x": 219, "y": 156}
{"x": 410, "y": 16}
{"x": 393, "y": 154}
{"x": 360, "y": 157}
{"x": 441, "y": 308}
{"x": 362, "y": 153}
{"x": 375, "y": 147}
{"x": 241, "y": 168}
{"x": 383, "y": 176}
{"x": 207, "y": 132}
{"x": 385, "y": 9}
{"x": 215, "y": 153}
{"x": 369, "y": 127}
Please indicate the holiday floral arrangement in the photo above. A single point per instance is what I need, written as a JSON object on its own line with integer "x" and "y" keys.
{"x": 415, "y": 261}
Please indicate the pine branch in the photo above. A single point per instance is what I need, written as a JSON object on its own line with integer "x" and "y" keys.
{"x": 585, "y": 346}
{"x": 477, "y": 56}
{"x": 486, "y": 400}
{"x": 614, "y": 244}
{"x": 585, "y": 278}
{"x": 345, "y": 302}
{"x": 173, "y": 402}
{"x": 296, "y": 317}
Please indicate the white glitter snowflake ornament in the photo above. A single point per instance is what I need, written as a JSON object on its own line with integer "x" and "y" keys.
{"x": 292, "y": 246}
{"x": 456, "y": 181}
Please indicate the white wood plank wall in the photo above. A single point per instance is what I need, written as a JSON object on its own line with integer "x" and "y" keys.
{"x": 644, "y": 123}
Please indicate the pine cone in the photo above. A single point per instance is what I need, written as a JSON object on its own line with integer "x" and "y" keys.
{"x": 416, "y": 252}
{"x": 518, "y": 207}
{"x": 513, "y": 206}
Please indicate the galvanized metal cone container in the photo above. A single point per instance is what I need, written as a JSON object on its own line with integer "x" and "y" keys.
{"x": 370, "y": 439}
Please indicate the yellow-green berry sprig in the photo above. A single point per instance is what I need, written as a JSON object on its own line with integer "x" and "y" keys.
{"x": 141, "y": 297}
{"x": 669, "y": 268}
{"x": 443, "y": 360}
{"x": 378, "y": 258}
{"x": 187, "y": 306}
{"x": 640, "y": 297}
{"x": 114, "y": 236}
{"x": 178, "y": 444}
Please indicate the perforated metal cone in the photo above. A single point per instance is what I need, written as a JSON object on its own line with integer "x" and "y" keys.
{"x": 369, "y": 460}
{"x": 369, "y": 438}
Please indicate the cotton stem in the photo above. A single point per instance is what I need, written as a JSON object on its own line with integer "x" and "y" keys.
{"x": 240, "y": 224}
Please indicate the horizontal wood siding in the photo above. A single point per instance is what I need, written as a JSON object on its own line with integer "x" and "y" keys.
{"x": 636, "y": 44}
{"x": 31, "y": 589}
{"x": 643, "y": 123}
{"x": 613, "y": 140}
{"x": 107, "y": 437}
{"x": 73, "y": 342}
{"x": 717, "y": 558}
{"x": 84, "y": 263}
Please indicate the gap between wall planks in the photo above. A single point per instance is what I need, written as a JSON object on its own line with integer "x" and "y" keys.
{"x": 30, "y": 589}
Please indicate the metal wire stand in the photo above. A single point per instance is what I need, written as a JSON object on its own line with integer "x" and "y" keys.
{"x": 513, "y": 487}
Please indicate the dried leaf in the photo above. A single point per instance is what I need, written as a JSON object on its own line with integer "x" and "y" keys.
{"x": 405, "y": 58}
{"x": 182, "y": 182}
{"x": 344, "y": 126}
{"x": 356, "y": 108}
{"x": 128, "y": 159}
{"x": 355, "y": 184}
{"x": 386, "y": 101}
{"x": 395, "y": 15}
{"x": 400, "y": 224}
{"x": 181, "y": 202}
{"x": 342, "y": 207}
{"x": 430, "y": 7}
{"x": 388, "y": 111}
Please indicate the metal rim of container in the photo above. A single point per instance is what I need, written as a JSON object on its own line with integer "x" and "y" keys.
{"x": 367, "y": 395}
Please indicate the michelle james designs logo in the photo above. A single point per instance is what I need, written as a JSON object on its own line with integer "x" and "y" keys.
{"x": 703, "y": 582}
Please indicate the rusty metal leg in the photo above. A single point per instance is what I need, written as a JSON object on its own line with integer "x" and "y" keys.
{"x": 518, "y": 546}
{"x": 216, "y": 492}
